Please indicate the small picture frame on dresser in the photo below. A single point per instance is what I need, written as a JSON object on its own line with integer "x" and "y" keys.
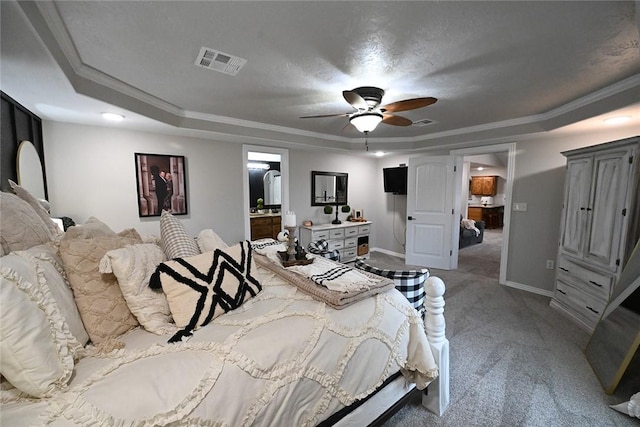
{"x": 357, "y": 214}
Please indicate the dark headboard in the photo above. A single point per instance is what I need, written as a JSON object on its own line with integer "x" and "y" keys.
{"x": 18, "y": 124}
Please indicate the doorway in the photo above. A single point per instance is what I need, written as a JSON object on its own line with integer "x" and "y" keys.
{"x": 497, "y": 160}
{"x": 265, "y": 177}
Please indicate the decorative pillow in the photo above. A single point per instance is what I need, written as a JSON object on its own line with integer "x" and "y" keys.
{"x": 92, "y": 228}
{"x": 133, "y": 266}
{"x": 103, "y": 309}
{"x": 208, "y": 241}
{"x": 409, "y": 282}
{"x": 202, "y": 287}
{"x": 37, "y": 349}
{"x": 631, "y": 408}
{"x": 20, "y": 227}
{"x": 50, "y": 272}
{"x": 37, "y": 207}
{"x": 175, "y": 240}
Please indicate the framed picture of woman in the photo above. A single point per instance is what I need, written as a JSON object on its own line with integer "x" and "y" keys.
{"x": 162, "y": 184}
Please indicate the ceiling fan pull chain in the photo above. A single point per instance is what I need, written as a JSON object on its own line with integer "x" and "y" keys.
{"x": 366, "y": 141}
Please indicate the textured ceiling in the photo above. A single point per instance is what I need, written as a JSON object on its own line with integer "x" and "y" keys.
{"x": 497, "y": 68}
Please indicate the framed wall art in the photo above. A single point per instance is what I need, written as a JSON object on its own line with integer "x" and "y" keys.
{"x": 162, "y": 184}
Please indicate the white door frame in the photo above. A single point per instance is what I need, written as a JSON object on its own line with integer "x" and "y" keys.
{"x": 284, "y": 173}
{"x": 510, "y": 148}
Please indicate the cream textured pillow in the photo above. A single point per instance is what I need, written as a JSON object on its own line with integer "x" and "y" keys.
{"x": 92, "y": 228}
{"x": 20, "y": 225}
{"x": 103, "y": 309}
{"x": 202, "y": 287}
{"x": 133, "y": 266}
{"x": 37, "y": 207}
{"x": 175, "y": 240}
{"x": 37, "y": 349}
{"x": 208, "y": 241}
{"x": 50, "y": 272}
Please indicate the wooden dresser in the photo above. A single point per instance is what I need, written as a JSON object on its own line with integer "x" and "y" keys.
{"x": 350, "y": 238}
{"x": 598, "y": 227}
{"x": 265, "y": 225}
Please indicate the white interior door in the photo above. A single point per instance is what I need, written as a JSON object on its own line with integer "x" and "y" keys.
{"x": 430, "y": 212}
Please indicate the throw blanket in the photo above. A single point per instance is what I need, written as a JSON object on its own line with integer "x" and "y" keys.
{"x": 334, "y": 276}
{"x": 334, "y": 299}
{"x": 470, "y": 224}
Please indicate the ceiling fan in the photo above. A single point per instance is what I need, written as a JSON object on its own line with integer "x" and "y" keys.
{"x": 366, "y": 101}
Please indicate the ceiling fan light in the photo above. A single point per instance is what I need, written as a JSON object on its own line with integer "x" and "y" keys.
{"x": 366, "y": 122}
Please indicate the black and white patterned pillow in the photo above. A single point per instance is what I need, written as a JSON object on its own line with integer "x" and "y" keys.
{"x": 202, "y": 287}
{"x": 409, "y": 282}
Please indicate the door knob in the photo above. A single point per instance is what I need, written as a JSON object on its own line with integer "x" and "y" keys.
{"x": 410, "y": 218}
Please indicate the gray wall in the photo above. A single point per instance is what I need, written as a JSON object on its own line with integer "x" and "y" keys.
{"x": 90, "y": 172}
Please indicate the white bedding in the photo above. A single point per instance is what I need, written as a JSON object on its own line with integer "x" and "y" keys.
{"x": 282, "y": 358}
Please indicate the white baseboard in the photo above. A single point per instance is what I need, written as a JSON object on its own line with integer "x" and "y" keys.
{"x": 529, "y": 288}
{"x": 385, "y": 251}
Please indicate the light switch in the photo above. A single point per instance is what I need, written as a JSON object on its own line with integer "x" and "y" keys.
{"x": 520, "y": 207}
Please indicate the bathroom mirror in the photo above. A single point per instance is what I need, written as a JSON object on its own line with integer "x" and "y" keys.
{"x": 29, "y": 168}
{"x": 615, "y": 341}
{"x": 328, "y": 188}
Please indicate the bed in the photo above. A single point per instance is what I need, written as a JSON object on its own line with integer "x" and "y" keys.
{"x": 267, "y": 349}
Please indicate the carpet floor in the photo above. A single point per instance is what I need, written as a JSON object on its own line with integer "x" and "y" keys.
{"x": 514, "y": 361}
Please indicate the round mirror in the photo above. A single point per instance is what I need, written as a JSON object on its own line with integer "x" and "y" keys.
{"x": 29, "y": 169}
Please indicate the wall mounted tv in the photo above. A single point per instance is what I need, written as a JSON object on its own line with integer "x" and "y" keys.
{"x": 395, "y": 180}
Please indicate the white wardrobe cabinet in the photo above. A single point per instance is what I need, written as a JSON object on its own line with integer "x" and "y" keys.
{"x": 599, "y": 226}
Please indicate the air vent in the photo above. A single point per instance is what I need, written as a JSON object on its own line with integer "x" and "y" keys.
{"x": 423, "y": 122}
{"x": 219, "y": 61}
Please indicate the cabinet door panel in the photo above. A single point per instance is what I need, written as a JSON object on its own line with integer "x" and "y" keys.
{"x": 578, "y": 182}
{"x": 605, "y": 218}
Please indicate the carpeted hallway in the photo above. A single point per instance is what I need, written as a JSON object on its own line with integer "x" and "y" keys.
{"x": 514, "y": 360}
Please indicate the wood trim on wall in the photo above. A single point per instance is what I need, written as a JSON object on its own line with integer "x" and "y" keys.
{"x": 18, "y": 124}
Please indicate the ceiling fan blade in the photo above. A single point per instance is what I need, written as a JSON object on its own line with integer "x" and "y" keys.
{"x": 355, "y": 100}
{"x": 409, "y": 104}
{"x": 325, "y": 115}
{"x": 390, "y": 119}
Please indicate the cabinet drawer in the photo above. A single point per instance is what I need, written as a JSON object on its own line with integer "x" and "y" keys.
{"x": 351, "y": 231}
{"x": 596, "y": 283}
{"x": 336, "y": 244}
{"x": 317, "y": 235}
{"x": 348, "y": 255}
{"x": 261, "y": 221}
{"x": 350, "y": 243}
{"x": 336, "y": 234}
{"x": 364, "y": 229}
{"x": 582, "y": 304}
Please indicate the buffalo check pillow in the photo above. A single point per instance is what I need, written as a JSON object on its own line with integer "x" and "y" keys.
{"x": 202, "y": 287}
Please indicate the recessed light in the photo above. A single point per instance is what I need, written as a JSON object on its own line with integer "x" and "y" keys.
{"x": 617, "y": 120}
{"x": 379, "y": 153}
{"x": 480, "y": 168}
{"x": 114, "y": 117}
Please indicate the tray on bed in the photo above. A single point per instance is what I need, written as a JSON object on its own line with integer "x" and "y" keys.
{"x": 284, "y": 257}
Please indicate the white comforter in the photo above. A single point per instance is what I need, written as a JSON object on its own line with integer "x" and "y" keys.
{"x": 280, "y": 359}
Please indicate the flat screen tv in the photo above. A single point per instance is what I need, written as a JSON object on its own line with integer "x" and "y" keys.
{"x": 395, "y": 180}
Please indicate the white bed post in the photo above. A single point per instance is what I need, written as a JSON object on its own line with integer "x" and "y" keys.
{"x": 437, "y": 398}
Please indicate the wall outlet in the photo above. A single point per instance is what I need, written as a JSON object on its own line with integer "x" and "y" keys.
{"x": 521, "y": 207}
{"x": 550, "y": 264}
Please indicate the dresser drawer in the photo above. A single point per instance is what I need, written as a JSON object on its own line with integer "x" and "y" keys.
{"x": 596, "y": 283}
{"x": 351, "y": 231}
{"x": 336, "y": 244}
{"x": 363, "y": 229}
{"x": 336, "y": 234}
{"x": 348, "y": 255}
{"x": 318, "y": 235}
{"x": 582, "y": 304}
{"x": 350, "y": 243}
